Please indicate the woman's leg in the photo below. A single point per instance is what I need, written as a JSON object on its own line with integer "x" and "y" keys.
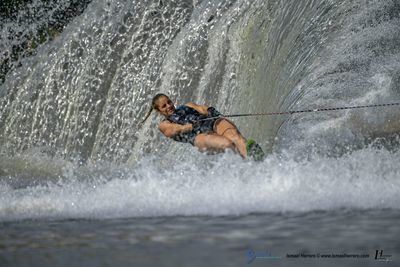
{"x": 213, "y": 142}
{"x": 227, "y": 129}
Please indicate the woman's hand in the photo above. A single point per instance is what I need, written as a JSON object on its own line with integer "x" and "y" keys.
{"x": 187, "y": 127}
{"x": 212, "y": 112}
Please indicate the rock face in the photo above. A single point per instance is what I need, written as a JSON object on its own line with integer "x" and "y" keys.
{"x": 26, "y": 24}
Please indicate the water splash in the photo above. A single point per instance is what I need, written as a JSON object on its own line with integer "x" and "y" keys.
{"x": 72, "y": 148}
{"x": 366, "y": 179}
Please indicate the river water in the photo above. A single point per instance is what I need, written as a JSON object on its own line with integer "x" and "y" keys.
{"x": 82, "y": 183}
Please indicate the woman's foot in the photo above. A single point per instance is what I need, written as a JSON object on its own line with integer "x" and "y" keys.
{"x": 254, "y": 151}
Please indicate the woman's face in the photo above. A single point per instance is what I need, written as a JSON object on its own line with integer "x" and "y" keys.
{"x": 165, "y": 106}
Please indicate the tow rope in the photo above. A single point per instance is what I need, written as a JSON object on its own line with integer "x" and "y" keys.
{"x": 290, "y": 112}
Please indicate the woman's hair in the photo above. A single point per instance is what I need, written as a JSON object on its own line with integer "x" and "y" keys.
{"x": 153, "y": 105}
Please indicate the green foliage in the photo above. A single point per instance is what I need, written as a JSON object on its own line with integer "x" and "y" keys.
{"x": 10, "y": 7}
{"x": 25, "y": 44}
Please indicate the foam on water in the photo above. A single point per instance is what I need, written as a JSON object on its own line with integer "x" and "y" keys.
{"x": 365, "y": 179}
{"x": 84, "y": 93}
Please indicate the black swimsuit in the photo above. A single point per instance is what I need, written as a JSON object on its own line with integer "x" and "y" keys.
{"x": 184, "y": 115}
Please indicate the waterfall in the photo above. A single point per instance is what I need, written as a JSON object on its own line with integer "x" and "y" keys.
{"x": 85, "y": 91}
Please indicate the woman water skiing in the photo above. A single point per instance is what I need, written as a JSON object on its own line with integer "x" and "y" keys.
{"x": 201, "y": 126}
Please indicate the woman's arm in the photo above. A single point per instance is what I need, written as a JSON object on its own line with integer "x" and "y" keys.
{"x": 170, "y": 129}
{"x": 205, "y": 110}
{"x": 202, "y": 109}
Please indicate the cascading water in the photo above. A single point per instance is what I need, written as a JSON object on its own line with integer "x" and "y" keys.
{"x": 83, "y": 94}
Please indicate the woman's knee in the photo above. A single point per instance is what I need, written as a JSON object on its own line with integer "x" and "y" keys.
{"x": 200, "y": 142}
{"x": 232, "y": 134}
{"x": 227, "y": 129}
{"x": 213, "y": 142}
{"x": 227, "y": 144}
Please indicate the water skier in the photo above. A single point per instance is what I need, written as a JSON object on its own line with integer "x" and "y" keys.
{"x": 203, "y": 127}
